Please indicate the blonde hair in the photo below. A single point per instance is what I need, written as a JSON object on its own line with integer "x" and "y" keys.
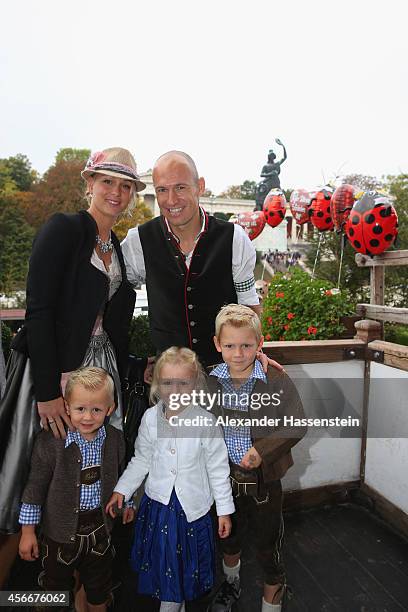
{"x": 176, "y": 355}
{"x": 238, "y": 315}
{"x": 91, "y": 379}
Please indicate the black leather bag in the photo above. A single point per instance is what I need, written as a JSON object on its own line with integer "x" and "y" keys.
{"x": 135, "y": 401}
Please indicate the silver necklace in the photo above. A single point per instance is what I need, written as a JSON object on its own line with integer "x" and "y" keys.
{"x": 105, "y": 246}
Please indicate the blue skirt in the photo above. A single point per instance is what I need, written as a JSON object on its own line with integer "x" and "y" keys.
{"x": 175, "y": 559}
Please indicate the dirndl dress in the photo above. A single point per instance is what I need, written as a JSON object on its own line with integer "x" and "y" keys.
{"x": 174, "y": 559}
{"x": 19, "y": 419}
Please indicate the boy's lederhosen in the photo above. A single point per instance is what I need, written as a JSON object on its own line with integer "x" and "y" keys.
{"x": 90, "y": 553}
{"x": 258, "y": 506}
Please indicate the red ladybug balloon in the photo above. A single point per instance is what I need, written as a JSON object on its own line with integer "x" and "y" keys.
{"x": 372, "y": 226}
{"x": 319, "y": 210}
{"x": 252, "y": 222}
{"x": 299, "y": 205}
{"x": 341, "y": 204}
{"x": 274, "y": 207}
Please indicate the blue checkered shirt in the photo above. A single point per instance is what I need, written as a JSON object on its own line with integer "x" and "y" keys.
{"x": 90, "y": 496}
{"x": 238, "y": 439}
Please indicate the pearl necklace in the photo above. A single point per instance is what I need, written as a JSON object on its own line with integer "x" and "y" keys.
{"x": 105, "y": 246}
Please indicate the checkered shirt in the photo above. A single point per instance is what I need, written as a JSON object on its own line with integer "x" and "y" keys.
{"x": 90, "y": 496}
{"x": 238, "y": 439}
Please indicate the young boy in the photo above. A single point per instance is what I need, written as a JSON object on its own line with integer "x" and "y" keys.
{"x": 259, "y": 454}
{"x": 69, "y": 485}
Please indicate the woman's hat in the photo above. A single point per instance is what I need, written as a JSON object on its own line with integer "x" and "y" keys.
{"x": 113, "y": 162}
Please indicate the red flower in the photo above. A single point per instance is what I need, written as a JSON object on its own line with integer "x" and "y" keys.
{"x": 286, "y": 327}
{"x": 312, "y": 330}
{"x": 291, "y": 315}
{"x": 268, "y": 337}
{"x": 328, "y": 292}
{"x": 270, "y": 321}
{"x": 279, "y": 294}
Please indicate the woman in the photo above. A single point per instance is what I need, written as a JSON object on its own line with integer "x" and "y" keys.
{"x": 79, "y": 307}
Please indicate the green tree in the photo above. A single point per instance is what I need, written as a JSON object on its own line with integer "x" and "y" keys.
{"x": 245, "y": 191}
{"x": 16, "y": 238}
{"x": 72, "y": 155}
{"x": 18, "y": 169}
{"x": 364, "y": 182}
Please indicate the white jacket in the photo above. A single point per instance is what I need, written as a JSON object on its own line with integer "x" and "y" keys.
{"x": 196, "y": 466}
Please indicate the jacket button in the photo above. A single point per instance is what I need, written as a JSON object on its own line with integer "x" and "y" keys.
{"x": 78, "y": 484}
{"x": 76, "y": 510}
{"x": 195, "y": 340}
{"x": 72, "y": 538}
{"x": 190, "y": 306}
{"x": 78, "y": 460}
{"x": 192, "y": 323}
{"x": 189, "y": 288}
{"x": 173, "y": 471}
{"x": 173, "y": 450}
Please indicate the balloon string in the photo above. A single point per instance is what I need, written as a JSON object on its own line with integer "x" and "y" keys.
{"x": 341, "y": 261}
{"x": 317, "y": 255}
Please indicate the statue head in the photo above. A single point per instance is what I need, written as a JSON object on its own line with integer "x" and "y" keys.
{"x": 271, "y": 156}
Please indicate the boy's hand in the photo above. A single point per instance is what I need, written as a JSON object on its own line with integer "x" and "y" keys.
{"x": 265, "y": 362}
{"x": 224, "y": 526}
{"x": 251, "y": 460}
{"x": 128, "y": 515}
{"x": 116, "y": 500}
{"x": 28, "y": 547}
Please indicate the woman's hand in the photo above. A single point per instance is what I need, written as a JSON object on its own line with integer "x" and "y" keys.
{"x": 224, "y": 526}
{"x": 114, "y": 504}
{"x": 148, "y": 373}
{"x": 53, "y": 416}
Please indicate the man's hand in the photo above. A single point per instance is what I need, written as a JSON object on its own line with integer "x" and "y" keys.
{"x": 53, "y": 416}
{"x": 28, "y": 547}
{"x": 251, "y": 460}
{"x": 115, "y": 503}
{"x": 128, "y": 515}
{"x": 265, "y": 362}
{"x": 148, "y": 373}
{"x": 224, "y": 526}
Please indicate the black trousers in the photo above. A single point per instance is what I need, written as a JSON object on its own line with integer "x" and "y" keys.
{"x": 264, "y": 514}
{"x": 90, "y": 554}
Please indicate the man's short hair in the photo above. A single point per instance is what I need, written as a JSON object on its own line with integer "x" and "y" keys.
{"x": 91, "y": 379}
{"x": 238, "y": 315}
{"x": 186, "y": 156}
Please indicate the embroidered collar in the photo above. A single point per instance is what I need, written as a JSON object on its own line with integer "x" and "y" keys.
{"x": 75, "y": 436}
{"x": 203, "y": 217}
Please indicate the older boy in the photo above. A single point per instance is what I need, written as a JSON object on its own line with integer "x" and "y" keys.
{"x": 259, "y": 455}
{"x": 69, "y": 485}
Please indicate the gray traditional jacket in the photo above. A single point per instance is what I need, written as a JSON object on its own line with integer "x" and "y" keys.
{"x": 55, "y": 481}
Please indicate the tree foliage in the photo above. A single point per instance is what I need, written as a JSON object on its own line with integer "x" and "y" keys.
{"x": 72, "y": 155}
{"x": 245, "y": 191}
{"x": 16, "y": 174}
{"x": 141, "y": 214}
{"x": 16, "y": 238}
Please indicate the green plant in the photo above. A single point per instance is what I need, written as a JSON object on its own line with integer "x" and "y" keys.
{"x": 140, "y": 343}
{"x": 298, "y": 307}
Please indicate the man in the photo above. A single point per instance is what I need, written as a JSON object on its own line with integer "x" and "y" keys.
{"x": 193, "y": 263}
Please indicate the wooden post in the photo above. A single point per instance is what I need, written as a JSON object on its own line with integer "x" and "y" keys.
{"x": 377, "y": 280}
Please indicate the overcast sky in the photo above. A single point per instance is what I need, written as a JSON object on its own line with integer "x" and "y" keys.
{"x": 218, "y": 79}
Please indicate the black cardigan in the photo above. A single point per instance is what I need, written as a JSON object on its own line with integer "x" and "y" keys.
{"x": 65, "y": 293}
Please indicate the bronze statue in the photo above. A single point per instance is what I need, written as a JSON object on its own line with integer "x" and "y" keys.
{"x": 270, "y": 174}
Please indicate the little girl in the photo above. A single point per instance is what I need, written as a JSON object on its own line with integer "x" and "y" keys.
{"x": 184, "y": 454}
